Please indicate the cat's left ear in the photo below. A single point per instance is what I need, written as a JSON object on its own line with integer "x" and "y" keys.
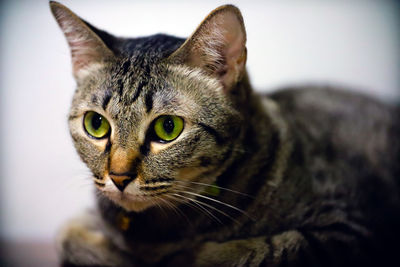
{"x": 218, "y": 46}
{"x": 88, "y": 49}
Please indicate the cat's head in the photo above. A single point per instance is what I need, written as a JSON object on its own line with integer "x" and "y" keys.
{"x": 155, "y": 116}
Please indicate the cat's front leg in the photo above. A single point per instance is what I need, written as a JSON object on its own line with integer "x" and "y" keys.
{"x": 83, "y": 242}
{"x": 330, "y": 247}
{"x": 244, "y": 252}
{"x": 258, "y": 251}
{"x": 241, "y": 252}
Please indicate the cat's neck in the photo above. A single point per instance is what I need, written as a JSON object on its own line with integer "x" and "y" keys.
{"x": 263, "y": 151}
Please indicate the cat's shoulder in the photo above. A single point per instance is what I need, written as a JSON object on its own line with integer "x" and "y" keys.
{"x": 348, "y": 121}
{"x": 325, "y": 95}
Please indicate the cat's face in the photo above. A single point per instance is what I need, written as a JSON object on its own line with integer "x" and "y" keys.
{"x": 150, "y": 129}
{"x": 135, "y": 149}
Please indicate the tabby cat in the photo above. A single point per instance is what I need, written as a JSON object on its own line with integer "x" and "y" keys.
{"x": 193, "y": 168}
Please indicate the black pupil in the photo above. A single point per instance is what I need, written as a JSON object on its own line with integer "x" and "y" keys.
{"x": 168, "y": 125}
{"x": 96, "y": 121}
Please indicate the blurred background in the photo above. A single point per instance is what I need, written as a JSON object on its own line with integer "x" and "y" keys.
{"x": 354, "y": 44}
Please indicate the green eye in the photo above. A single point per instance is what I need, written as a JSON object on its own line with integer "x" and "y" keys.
{"x": 96, "y": 125}
{"x": 167, "y": 128}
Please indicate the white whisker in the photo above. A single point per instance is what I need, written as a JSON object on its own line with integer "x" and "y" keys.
{"x": 159, "y": 206}
{"x": 219, "y": 202}
{"x": 219, "y": 187}
{"x": 197, "y": 204}
{"x": 174, "y": 208}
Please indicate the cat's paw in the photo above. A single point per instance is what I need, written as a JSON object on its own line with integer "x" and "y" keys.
{"x": 81, "y": 242}
{"x": 248, "y": 252}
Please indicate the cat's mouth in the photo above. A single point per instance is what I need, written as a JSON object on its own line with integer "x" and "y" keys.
{"x": 135, "y": 196}
{"x": 138, "y": 194}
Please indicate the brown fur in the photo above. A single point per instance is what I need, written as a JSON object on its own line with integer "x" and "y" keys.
{"x": 305, "y": 177}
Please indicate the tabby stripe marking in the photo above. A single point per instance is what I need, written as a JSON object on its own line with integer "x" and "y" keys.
{"x": 107, "y": 149}
{"x": 99, "y": 184}
{"x": 139, "y": 90}
{"x": 218, "y": 138}
{"x": 153, "y": 188}
{"x": 94, "y": 99}
{"x": 97, "y": 177}
{"x": 149, "y": 101}
{"x": 106, "y": 98}
{"x": 156, "y": 194}
{"x": 158, "y": 180}
{"x": 145, "y": 148}
{"x": 125, "y": 67}
{"x": 120, "y": 87}
{"x": 73, "y": 117}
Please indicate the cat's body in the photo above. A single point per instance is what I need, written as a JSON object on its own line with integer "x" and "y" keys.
{"x": 304, "y": 177}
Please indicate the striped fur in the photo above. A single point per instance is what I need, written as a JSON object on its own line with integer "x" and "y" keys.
{"x": 305, "y": 177}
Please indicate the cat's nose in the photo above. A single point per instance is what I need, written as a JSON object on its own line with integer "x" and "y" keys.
{"x": 120, "y": 181}
{"x": 123, "y": 166}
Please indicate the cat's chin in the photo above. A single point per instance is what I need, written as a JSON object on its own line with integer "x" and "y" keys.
{"x": 135, "y": 205}
{"x": 131, "y": 203}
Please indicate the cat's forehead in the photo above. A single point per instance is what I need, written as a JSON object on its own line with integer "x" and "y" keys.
{"x": 133, "y": 90}
{"x": 139, "y": 79}
{"x": 138, "y": 67}
{"x": 140, "y": 88}
{"x": 129, "y": 77}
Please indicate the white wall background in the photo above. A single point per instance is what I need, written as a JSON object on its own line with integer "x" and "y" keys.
{"x": 352, "y": 43}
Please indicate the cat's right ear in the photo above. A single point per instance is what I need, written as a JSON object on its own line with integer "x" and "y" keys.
{"x": 88, "y": 50}
{"x": 217, "y": 47}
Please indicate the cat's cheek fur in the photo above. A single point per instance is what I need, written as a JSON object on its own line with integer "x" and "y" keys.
{"x": 84, "y": 72}
{"x": 191, "y": 173}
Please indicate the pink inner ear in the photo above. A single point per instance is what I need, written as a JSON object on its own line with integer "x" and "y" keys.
{"x": 233, "y": 52}
{"x": 218, "y": 46}
{"x": 233, "y": 34}
{"x": 86, "y": 47}
{"x": 84, "y": 52}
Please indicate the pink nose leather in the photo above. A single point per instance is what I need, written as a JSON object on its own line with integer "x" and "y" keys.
{"x": 121, "y": 181}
